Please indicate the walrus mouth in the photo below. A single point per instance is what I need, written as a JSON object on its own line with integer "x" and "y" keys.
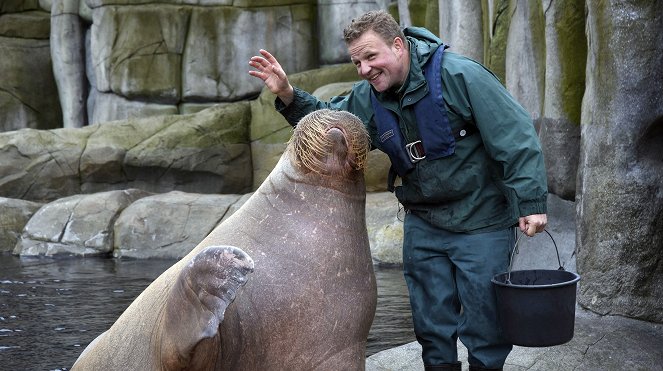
{"x": 326, "y": 134}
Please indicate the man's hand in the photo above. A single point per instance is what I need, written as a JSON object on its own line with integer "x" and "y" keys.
{"x": 532, "y": 224}
{"x": 268, "y": 69}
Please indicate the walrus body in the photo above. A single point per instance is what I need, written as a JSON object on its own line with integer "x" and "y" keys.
{"x": 310, "y": 300}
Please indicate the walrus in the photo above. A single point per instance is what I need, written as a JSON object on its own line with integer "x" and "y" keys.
{"x": 285, "y": 283}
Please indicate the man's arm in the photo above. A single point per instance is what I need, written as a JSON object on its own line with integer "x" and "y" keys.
{"x": 511, "y": 140}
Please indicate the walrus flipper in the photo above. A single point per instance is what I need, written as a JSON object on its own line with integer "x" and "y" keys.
{"x": 198, "y": 300}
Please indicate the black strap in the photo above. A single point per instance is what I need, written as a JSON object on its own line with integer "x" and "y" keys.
{"x": 460, "y": 134}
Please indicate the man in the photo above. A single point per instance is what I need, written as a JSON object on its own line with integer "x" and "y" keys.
{"x": 470, "y": 168}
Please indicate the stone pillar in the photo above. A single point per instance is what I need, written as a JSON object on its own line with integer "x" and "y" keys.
{"x": 526, "y": 55}
{"x": 566, "y": 58}
{"x": 333, "y": 16}
{"x": 68, "y": 55}
{"x": 496, "y": 28}
{"x": 620, "y": 193}
{"x": 461, "y": 26}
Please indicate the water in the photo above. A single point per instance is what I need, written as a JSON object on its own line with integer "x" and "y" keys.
{"x": 50, "y": 309}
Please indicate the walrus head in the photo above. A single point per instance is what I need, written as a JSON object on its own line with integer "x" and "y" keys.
{"x": 330, "y": 143}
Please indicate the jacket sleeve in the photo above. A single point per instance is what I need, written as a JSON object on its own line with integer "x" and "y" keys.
{"x": 509, "y": 137}
{"x": 302, "y": 104}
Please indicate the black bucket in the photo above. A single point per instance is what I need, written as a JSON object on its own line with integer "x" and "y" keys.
{"x": 536, "y": 307}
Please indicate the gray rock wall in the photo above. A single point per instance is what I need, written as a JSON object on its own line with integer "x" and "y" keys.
{"x": 190, "y": 53}
{"x": 525, "y": 55}
{"x": 182, "y": 221}
{"x": 208, "y": 151}
{"x": 77, "y": 225}
{"x": 461, "y": 27}
{"x": 28, "y": 93}
{"x": 14, "y": 215}
{"x": 333, "y": 16}
{"x": 67, "y": 39}
{"x": 566, "y": 57}
{"x": 620, "y": 199}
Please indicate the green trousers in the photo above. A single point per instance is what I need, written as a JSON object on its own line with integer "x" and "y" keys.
{"x": 448, "y": 277}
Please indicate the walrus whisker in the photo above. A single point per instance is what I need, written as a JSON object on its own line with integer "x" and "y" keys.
{"x": 310, "y": 142}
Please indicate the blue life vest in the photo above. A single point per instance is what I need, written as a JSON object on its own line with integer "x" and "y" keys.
{"x": 435, "y": 134}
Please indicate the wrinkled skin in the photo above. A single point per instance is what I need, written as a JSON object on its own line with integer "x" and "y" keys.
{"x": 310, "y": 300}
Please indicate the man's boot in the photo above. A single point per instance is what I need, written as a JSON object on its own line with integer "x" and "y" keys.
{"x": 456, "y": 366}
{"x": 481, "y": 368}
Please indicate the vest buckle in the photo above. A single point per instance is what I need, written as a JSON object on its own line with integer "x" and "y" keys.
{"x": 416, "y": 151}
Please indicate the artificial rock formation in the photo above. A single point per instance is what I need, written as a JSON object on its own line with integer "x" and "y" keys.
{"x": 76, "y": 225}
{"x": 525, "y": 55}
{"x": 28, "y": 93}
{"x": 461, "y": 27}
{"x": 205, "y": 152}
{"x": 620, "y": 204}
{"x": 67, "y": 39}
{"x": 14, "y": 215}
{"x": 566, "y": 56}
{"x": 182, "y": 221}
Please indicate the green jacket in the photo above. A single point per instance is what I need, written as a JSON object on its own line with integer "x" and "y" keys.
{"x": 494, "y": 176}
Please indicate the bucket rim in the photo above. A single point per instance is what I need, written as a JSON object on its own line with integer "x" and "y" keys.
{"x": 576, "y": 278}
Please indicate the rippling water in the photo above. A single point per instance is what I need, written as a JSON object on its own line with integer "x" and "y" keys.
{"x": 50, "y": 309}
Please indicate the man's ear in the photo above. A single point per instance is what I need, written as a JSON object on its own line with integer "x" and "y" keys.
{"x": 399, "y": 44}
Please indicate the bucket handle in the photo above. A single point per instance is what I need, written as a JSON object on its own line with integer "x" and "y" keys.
{"x": 515, "y": 251}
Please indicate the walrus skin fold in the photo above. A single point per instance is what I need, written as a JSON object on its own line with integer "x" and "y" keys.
{"x": 310, "y": 299}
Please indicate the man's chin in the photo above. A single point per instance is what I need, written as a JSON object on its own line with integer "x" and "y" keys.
{"x": 379, "y": 88}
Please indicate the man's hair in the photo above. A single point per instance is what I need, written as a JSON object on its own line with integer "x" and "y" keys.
{"x": 378, "y": 21}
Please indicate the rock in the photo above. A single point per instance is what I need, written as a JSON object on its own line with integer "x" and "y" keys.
{"x": 41, "y": 165}
{"x": 385, "y": 230}
{"x": 137, "y": 51}
{"x": 526, "y": 56}
{"x": 620, "y": 202}
{"x": 495, "y": 54}
{"x": 333, "y": 16}
{"x": 177, "y": 52}
{"x": 566, "y": 56}
{"x": 107, "y": 107}
{"x": 16, "y": 6}
{"x": 14, "y": 215}
{"x": 206, "y": 152}
{"x": 28, "y": 94}
{"x": 169, "y": 225}
{"x": 137, "y": 224}
{"x": 32, "y": 24}
{"x": 461, "y": 26}
{"x": 68, "y": 54}
{"x": 79, "y": 225}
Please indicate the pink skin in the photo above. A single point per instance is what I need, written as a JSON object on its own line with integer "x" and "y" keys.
{"x": 268, "y": 69}
{"x": 533, "y": 224}
{"x": 383, "y": 65}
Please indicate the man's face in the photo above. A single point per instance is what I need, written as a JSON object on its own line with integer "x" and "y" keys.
{"x": 383, "y": 65}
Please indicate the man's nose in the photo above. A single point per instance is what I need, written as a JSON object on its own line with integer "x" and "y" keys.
{"x": 364, "y": 69}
